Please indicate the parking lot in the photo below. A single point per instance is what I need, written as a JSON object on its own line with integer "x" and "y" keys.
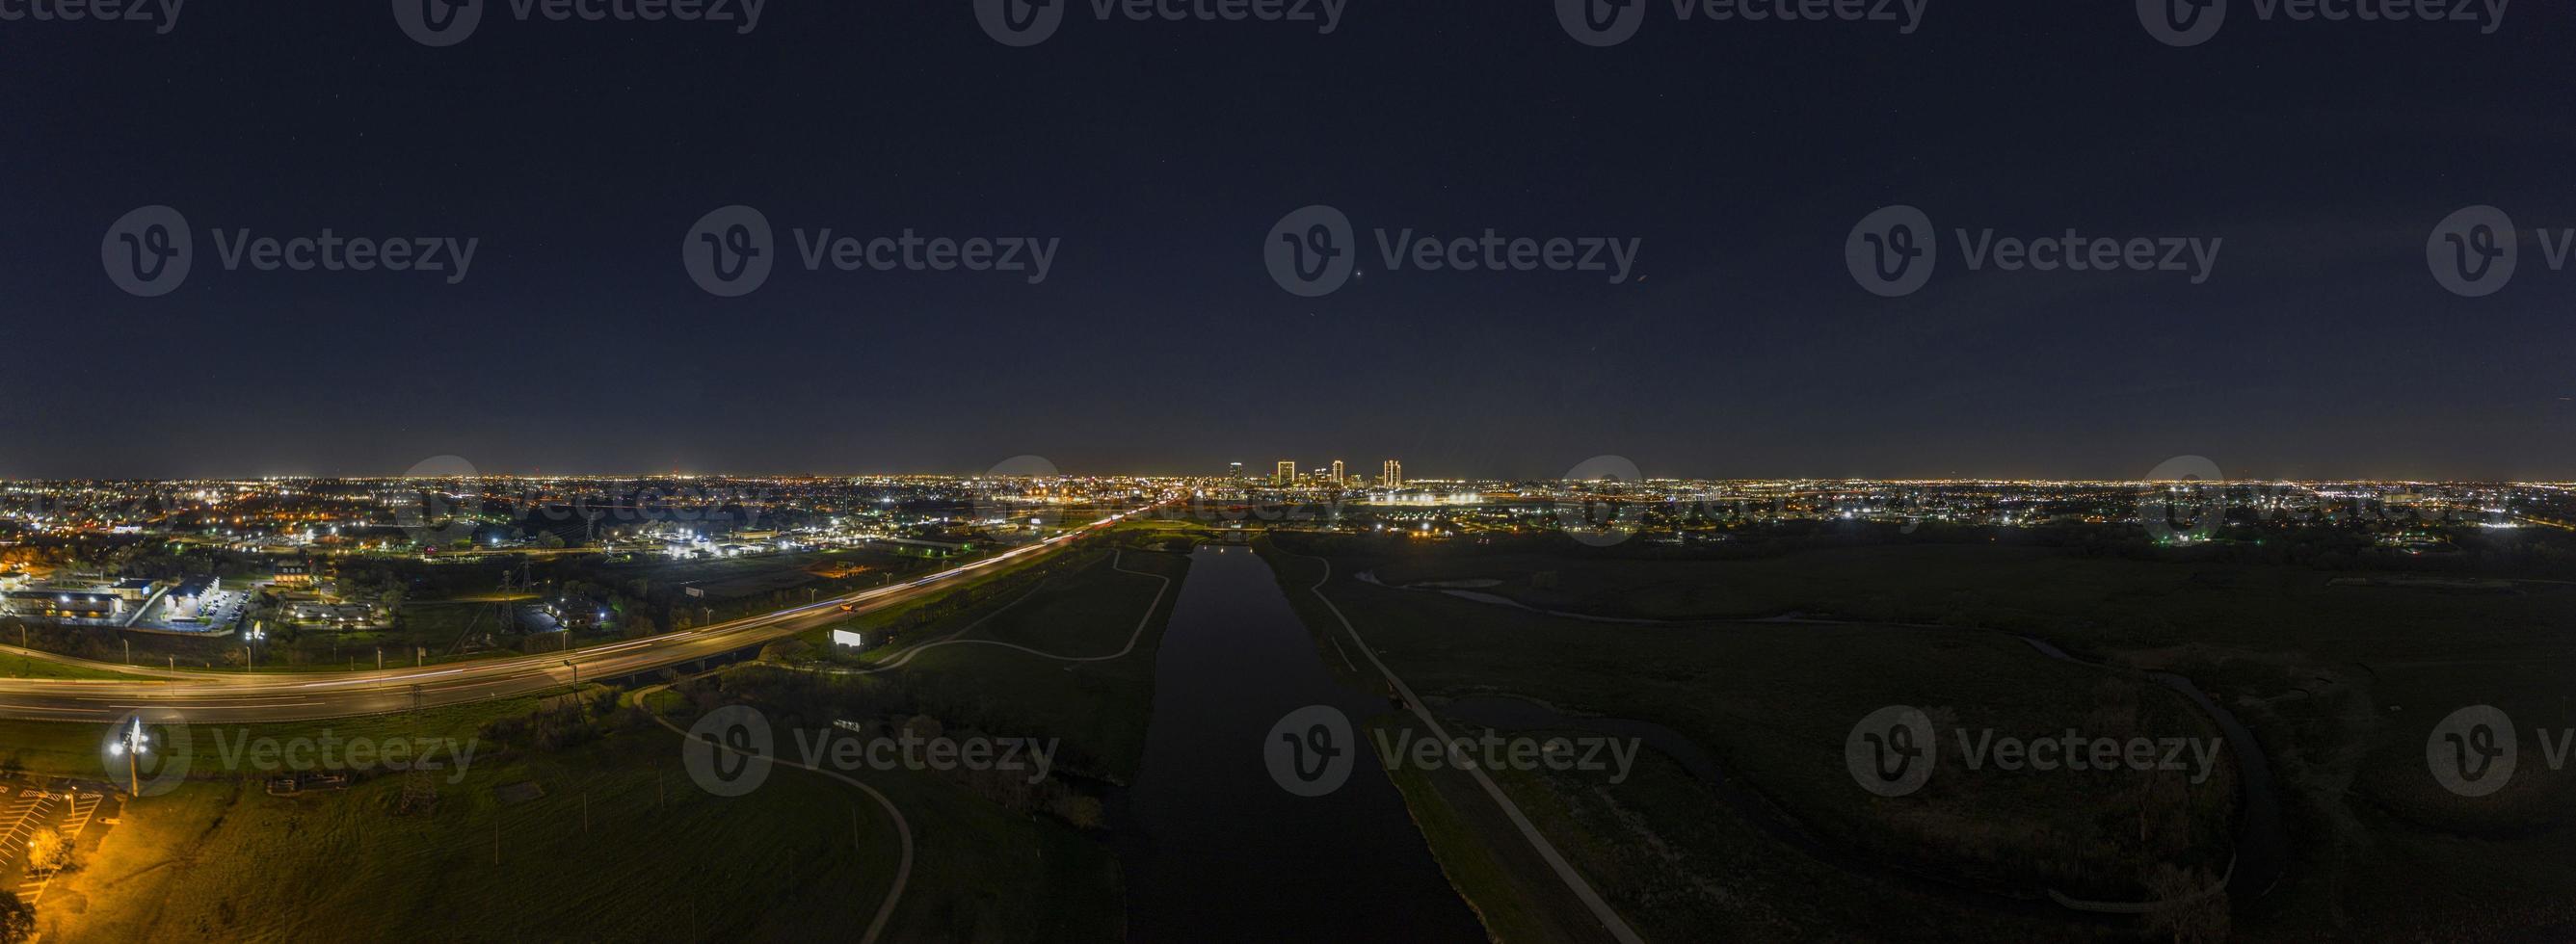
{"x": 28, "y": 806}
{"x": 217, "y": 612}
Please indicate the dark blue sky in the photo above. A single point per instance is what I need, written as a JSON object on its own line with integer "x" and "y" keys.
{"x": 1160, "y": 154}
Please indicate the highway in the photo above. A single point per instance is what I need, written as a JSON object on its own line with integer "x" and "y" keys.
{"x": 220, "y": 698}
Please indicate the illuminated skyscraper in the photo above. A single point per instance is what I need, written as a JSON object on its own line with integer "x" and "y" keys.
{"x": 1286, "y": 473}
{"x": 1394, "y": 477}
{"x": 1338, "y": 478}
{"x": 1235, "y": 471}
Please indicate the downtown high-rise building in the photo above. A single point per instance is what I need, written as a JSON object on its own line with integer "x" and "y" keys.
{"x": 1338, "y": 477}
{"x": 1235, "y": 472}
{"x": 1286, "y": 474}
{"x": 1394, "y": 474}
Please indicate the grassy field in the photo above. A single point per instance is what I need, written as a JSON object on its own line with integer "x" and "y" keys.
{"x": 1773, "y": 702}
{"x": 620, "y": 847}
{"x": 14, "y": 665}
{"x": 1090, "y": 612}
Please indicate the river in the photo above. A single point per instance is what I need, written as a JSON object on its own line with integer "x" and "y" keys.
{"x": 1216, "y": 850}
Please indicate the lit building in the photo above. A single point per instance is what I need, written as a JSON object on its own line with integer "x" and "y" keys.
{"x": 1394, "y": 475}
{"x": 1285, "y": 474}
{"x": 295, "y": 573}
{"x": 1235, "y": 472}
{"x": 60, "y": 605}
{"x": 1338, "y": 478}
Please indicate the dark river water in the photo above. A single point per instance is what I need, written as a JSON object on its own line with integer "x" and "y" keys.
{"x": 1217, "y": 850}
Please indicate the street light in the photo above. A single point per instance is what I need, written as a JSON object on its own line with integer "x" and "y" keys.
{"x": 250, "y": 652}
{"x": 133, "y": 744}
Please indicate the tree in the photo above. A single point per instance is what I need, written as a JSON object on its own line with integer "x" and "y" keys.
{"x": 17, "y": 919}
{"x": 49, "y": 851}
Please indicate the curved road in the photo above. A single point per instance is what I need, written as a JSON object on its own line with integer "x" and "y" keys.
{"x": 221, "y": 698}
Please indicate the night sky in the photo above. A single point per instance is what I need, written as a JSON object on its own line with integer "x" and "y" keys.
{"x": 1161, "y": 154}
